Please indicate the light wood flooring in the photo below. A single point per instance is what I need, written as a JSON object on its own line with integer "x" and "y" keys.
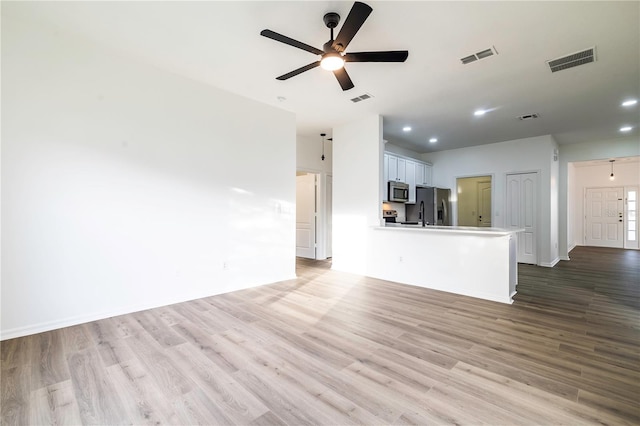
{"x": 331, "y": 348}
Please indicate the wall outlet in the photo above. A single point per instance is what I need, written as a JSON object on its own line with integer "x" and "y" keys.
{"x": 400, "y": 259}
{"x": 225, "y": 265}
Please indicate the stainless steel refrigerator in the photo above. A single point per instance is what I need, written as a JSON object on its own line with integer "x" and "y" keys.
{"x": 437, "y": 207}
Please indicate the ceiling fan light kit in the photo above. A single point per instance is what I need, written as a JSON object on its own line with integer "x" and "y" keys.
{"x": 332, "y": 55}
{"x": 332, "y": 61}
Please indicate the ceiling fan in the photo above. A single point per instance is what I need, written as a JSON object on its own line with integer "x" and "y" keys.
{"x": 332, "y": 54}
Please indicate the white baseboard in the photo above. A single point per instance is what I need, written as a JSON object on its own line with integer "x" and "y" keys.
{"x": 551, "y": 264}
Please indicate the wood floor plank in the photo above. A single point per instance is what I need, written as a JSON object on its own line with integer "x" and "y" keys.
{"x": 97, "y": 399}
{"x": 54, "y": 405}
{"x": 15, "y": 395}
{"x": 141, "y": 398}
{"x": 106, "y": 339}
{"x": 161, "y": 367}
{"x": 239, "y": 405}
{"x": 48, "y": 359}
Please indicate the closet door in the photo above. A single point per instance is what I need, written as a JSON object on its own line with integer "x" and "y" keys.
{"x": 522, "y": 189}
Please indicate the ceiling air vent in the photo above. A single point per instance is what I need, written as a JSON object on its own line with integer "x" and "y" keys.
{"x": 529, "y": 116}
{"x": 480, "y": 55}
{"x": 573, "y": 60}
{"x": 361, "y": 98}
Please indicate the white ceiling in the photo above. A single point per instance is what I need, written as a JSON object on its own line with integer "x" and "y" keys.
{"x": 219, "y": 43}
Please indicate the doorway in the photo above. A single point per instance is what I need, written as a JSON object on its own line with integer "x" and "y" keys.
{"x": 306, "y": 209}
{"x": 474, "y": 201}
{"x": 313, "y": 215}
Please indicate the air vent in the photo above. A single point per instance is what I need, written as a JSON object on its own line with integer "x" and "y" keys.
{"x": 573, "y": 60}
{"x": 480, "y": 55}
{"x": 469, "y": 59}
{"x": 529, "y": 116}
{"x": 362, "y": 97}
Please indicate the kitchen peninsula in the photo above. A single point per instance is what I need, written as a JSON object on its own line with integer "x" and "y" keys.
{"x": 477, "y": 262}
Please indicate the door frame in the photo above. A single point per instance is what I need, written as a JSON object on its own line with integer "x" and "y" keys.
{"x": 454, "y": 195}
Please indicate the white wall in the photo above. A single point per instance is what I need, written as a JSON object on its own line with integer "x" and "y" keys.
{"x": 125, "y": 187}
{"x": 597, "y": 176}
{"x": 357, "y": 191}
{"x": 628, "y": 146}
{"x": 497, "y": 160}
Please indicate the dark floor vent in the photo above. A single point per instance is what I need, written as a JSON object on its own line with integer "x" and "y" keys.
{"x": 573, "y": 60}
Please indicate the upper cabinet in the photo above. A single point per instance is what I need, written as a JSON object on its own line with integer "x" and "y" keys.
{"x": 409, "y": 171}
{"x": 423, "y": 174}
{"x": 395, "y": 168}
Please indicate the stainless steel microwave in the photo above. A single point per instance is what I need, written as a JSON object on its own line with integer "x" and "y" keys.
{"x": 398, "y": 192}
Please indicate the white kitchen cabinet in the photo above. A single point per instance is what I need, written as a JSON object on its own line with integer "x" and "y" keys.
{"x": 419, "y": 170}
{"x": 428, "y": 180}
{"x": 423, "y": 174}
{"x": 396, "y": 168}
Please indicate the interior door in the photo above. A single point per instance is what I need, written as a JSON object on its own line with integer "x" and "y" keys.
{"x": 484, "y": 203}
{"x": 604, "y": 217}
{"x": 306, "y": 216}
{"x": 521, "y": 214}
{"x": 329, "y": 216}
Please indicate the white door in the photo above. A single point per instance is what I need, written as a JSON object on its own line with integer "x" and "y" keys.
{"x": 329, "y": 221}
{"x": 604, "y": 217}
{"x": 306, "y": 216}
{"x": 484, "y": 203}
{"x": 521, "y": 214}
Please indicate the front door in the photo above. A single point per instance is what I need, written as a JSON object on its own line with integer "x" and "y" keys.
{"x": 521, "y": 213}
{"x": 306, "y": 215}
{"x": 604, "y": 217}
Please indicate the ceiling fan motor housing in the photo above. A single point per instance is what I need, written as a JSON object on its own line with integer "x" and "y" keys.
{"x": 331, "y": 19}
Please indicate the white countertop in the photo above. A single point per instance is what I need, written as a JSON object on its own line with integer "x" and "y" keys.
{"x": 468, "y": 230}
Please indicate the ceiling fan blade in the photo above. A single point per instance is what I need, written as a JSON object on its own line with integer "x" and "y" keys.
{"x": 358, "y": 14}
{"x": 386, "y": 56}
{"x": 291, "y": 42}
{"x": 343, "y": 79}
{"x": 298, "y": 71}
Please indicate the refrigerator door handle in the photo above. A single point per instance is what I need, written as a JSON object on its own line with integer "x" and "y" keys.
{"x": 445, "y": 214}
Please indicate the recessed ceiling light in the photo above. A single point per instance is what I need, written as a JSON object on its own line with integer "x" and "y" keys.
{"x": 480, "y": 112}
{"x": 433, "y": 140}
{"x": 630, "y": 102}
{"x": 406, "y": 129}
{"x": 626, "y": 128}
